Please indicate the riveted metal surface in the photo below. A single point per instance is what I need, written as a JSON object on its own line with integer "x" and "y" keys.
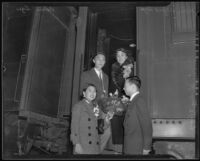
{"x": 174, "y": 128}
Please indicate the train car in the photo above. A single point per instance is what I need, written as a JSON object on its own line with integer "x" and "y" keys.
{"x": 46, "y": 47}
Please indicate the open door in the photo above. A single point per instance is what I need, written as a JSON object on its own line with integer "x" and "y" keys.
{"x": 52, "y": 76}
{"x": 49, "y": 68}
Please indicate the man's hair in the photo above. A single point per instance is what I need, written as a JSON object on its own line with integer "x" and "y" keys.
{"x": 99, "y": 53}
{"x": 135, "y": 80}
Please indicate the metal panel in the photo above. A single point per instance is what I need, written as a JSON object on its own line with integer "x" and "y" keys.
{"x": 167, "y": 70}
{"x": 183, "y": 16}
{"x": 174, "y": 129}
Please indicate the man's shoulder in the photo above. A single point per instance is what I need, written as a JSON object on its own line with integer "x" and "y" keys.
{"x": 140, "y": 101}
{"x": 140, "y": 97}
{"x": 88, "y": 72}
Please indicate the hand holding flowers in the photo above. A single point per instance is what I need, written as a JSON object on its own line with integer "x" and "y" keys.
{"x": 96, "y": 110}
{"x": 112, "y": 105}
{"x": 109, "y": 116}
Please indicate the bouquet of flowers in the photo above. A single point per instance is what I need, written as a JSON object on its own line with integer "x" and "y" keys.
{"x": 112, "y": 104}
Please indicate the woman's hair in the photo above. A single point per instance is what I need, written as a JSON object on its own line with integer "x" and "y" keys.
{"x": 127, "y": 52}
{"x": 88, "y": 85}
{"x": 85, "y": 88}
{"x": 135, "y": 80}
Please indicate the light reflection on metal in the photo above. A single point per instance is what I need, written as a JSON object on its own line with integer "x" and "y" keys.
{"x": 132, "y": 45}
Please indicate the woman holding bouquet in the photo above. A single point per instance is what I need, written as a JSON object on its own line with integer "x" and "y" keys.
{"x": 84, "y": 134}
{"x": 121, "y": 69}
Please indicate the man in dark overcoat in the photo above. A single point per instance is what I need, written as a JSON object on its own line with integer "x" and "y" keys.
{"x": 137, "y": 122}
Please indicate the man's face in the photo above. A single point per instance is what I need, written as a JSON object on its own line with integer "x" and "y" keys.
{"x": 99, "y": 61}
{"x": 129, "y": 88}
{"x": 121, "y": 57}
{"x": 90, "y": 93}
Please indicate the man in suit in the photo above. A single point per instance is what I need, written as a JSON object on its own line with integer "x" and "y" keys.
{"x": 137, "y": 122}
{"x": 97, "y": 77}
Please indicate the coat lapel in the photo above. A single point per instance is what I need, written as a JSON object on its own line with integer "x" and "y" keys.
{"x": 94, "y": 74}
{"x": 89, "y": 109}
{"x": 133, "y": 101}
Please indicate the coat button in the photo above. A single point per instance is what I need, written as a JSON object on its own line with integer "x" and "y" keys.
{"x": 97, "y": 143}
{"x": 89, "y": 127}
{"x": 90, "y": 142}
{"x": 89, "y": 134}
{"x": 89, "y": 119}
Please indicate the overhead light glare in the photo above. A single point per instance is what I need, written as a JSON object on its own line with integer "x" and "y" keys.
{"x": 132, "y": 45}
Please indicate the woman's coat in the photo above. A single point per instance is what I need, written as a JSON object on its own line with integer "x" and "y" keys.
{"x": 84, "y": 128}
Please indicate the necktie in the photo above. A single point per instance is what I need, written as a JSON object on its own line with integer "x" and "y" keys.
{"x": 101, "y": 78}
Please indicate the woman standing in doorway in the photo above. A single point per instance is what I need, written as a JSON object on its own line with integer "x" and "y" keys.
{"x": 121, "y": 69}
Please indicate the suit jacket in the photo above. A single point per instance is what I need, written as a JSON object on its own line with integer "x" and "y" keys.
{"x": 84, "y": 128}
{"x": 91, "y": 76}
{"x": 137, "y": 127}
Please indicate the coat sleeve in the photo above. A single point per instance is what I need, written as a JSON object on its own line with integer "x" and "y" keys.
{"x": 75, "y": 124}
{"x": 145, "y": 122}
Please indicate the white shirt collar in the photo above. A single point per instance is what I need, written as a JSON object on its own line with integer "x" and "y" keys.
{"x": 97, "y": 71}
{"x": 133, "y": 95}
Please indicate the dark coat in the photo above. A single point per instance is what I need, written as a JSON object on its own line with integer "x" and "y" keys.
{"x": 117, "y": 75}
{"x": 137, "y": 127}
{"x": 84, "y": 128}
{"x": 91, "y": 76}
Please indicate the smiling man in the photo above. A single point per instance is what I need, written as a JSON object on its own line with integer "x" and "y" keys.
{"x": 97, "y": 76}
